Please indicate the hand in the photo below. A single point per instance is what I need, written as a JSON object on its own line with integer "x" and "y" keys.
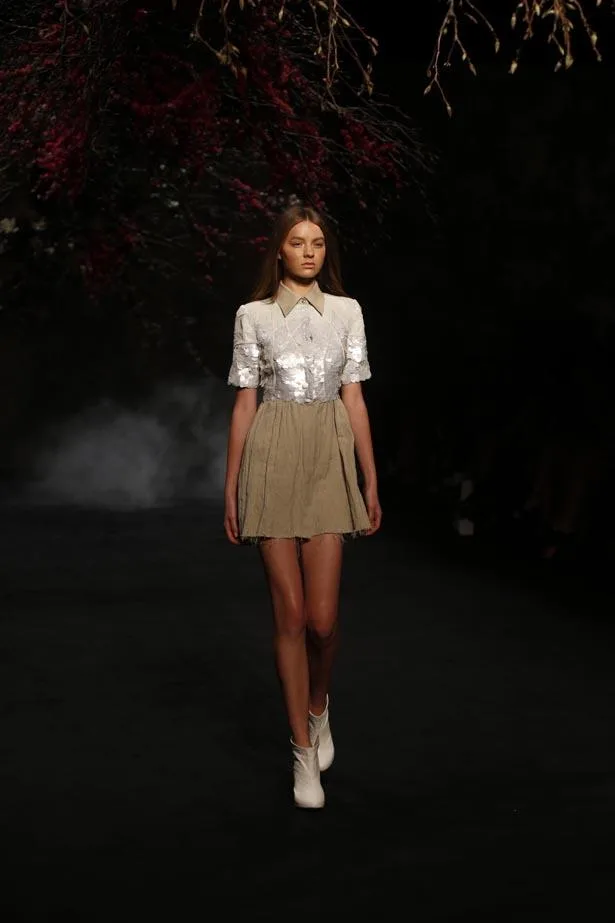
{"x": 373, "y": 508}
{"x": 230, "y": 520}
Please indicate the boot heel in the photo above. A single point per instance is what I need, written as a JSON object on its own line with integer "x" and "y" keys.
{"x": 321, "y": 729}
{"x": 307, "y": 790}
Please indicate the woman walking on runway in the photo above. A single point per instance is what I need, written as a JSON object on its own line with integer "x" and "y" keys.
{"x": 291, "y": 480}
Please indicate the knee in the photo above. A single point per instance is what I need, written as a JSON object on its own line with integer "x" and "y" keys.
{"x": 322, "y": 626}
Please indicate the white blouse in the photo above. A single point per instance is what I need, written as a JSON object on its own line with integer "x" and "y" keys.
{"x": 299, "y": 348}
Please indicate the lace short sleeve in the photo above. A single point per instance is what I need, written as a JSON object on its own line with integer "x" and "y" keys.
{"x": 356, "y": 367}
{"x": 245, "y": 366}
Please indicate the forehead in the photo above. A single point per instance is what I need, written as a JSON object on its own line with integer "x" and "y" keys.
{"x": 305, "y": 229}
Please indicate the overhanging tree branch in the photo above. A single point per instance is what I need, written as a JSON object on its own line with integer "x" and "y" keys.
{"x": 558, "y": 18}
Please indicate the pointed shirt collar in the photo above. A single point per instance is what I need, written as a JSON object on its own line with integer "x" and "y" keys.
{"x": 287, "y": 299}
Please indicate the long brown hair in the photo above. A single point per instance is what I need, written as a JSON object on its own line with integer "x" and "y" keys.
{"x": 270, "y": 276}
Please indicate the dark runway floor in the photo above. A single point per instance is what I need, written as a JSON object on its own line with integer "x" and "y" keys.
{"x": 144, "y": 757}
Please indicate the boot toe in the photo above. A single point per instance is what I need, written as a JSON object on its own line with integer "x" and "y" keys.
{"x": 312, "y": 801}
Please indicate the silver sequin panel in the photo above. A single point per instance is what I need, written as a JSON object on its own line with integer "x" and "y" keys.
{"x": 302, "y": 357}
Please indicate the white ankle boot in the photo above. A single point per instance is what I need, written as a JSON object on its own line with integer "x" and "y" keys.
{"x": 320, "y": 728}
{"x": 307, "y": 789}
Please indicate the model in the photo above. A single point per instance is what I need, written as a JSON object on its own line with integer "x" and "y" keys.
{"x": 291, "y": 483}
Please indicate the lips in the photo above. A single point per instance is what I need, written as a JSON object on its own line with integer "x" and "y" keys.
{"x": 308, "y": 265}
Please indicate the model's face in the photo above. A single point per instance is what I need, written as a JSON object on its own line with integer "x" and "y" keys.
{"x": 303, "y": 251}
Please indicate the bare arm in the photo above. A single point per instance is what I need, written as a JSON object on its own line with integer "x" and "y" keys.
{"x": 244, "y": 411}
{"x": 352, "y": 398}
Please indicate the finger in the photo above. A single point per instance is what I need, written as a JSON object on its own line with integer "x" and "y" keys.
{"x": 231, "y": 532}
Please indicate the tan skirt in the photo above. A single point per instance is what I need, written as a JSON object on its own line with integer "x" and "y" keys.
{"x": 298, "y": 475}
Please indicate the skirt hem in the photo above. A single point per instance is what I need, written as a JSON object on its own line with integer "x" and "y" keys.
{"x": 344, "y": 536}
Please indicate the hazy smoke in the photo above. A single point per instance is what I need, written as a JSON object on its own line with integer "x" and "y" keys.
{"x": 171, "y": 449}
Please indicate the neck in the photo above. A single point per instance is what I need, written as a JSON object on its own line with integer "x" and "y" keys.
{"x": 298, "y": 286}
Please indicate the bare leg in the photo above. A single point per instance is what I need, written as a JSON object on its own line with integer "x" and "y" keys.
{"x": 283, "y": 574}
{"x": 321, "y": 559}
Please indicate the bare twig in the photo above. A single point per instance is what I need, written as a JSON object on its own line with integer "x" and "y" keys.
{"x": 334, "y": 30}
{"x": 527, "y": 15}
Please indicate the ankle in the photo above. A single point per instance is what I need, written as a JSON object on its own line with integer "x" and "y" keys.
{"x": 318, "y": 705}
{"x": 302, "y": 741}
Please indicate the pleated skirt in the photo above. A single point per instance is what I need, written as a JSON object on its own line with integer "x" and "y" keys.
{"x": 298, "y": 474}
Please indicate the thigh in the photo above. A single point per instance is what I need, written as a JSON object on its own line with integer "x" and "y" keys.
{"x": 283, "y": 573}
{"x": 321, "y": 560}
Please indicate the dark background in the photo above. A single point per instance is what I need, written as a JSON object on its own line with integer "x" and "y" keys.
{"x": 492, "y": 318}
{"x": 143, "y": 754}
